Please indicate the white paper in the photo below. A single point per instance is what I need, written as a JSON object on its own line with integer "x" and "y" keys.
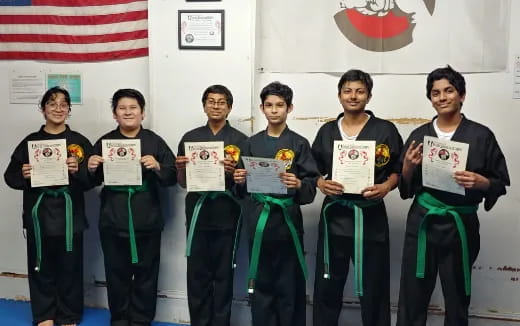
{"x": 353, "y": 164}
{"x": 441, "y": 158}
{"x": 263, "y": 175}
{"x": 26, "y": 87}
{"x": 205, "y": 170}
{"x": 122, "y": 162}
{"x": 48, "y": 159}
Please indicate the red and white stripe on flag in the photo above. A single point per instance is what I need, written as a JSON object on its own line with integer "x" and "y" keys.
{"x": 73, "y": 30}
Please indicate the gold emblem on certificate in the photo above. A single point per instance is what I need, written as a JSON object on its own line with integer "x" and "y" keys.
{"x": 285, "y": 155}
{"x": 48, "y": 159}
{"x": 353, "y": 164}
{"x": 205, "y": 170}
{"x": 122, "y": 162}
{"x": 441, "y": 158}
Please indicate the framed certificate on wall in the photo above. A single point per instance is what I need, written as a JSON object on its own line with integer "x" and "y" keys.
{"x": 201, "y": 29}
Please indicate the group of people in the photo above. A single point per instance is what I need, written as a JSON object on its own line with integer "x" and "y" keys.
{"x": 442, "y": 230}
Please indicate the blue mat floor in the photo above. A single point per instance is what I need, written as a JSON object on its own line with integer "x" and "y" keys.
{"x": 17, "y": 313}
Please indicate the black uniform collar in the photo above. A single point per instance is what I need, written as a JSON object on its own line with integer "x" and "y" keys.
{"x": 118, "y": 129}
{"x": 370, "y": 113}
{"x": 67, "y": 129}
{"x": 226, "y": 126}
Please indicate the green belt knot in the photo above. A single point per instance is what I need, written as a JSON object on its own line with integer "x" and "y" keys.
{"x": 357, "y": 206}
{"x": 195, "y": 217}
{"x": 69, "y": 227}
{"x": 131, "y": 190}
{"x": 437, "y": 207}
{"x": 268, "y": 202}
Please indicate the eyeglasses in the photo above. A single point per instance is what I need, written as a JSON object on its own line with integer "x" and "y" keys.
{"x": 213, "y": 103}
{"x": 54, "y": 105}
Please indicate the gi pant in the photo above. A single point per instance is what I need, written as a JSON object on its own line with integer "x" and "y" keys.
{"x": 57, "y": 289}
{"x": 328, "y": 293}
{"x": 210, "y": 277}
{"x": 131, "y": 288}
{"x": 279, "y": 297}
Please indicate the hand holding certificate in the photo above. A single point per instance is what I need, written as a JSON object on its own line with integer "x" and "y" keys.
{"x": 122, "y": 162}
{"x": 205, "y": 169}
{"x": 263, "y": 175}
{"x": 48, "y": 161}
{"x": 353, "y": 164}
{"x": 441, "y": 158}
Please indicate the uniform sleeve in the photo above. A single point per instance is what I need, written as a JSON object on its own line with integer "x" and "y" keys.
{"x": 396, "y": 149}
{"x": 317, "y": 152}
{"x": 82, "y": 177}
{"x": 308, "y": 174}
{"x": 180, "y": 148}
{"x": 408, "y": 190}
{"x": 240, "y": 191}
{"x": 168, "y": 174}
{"x": 497, "y": 173}
{"x": 96, "y": 178}
{"x": 13, "y": 174}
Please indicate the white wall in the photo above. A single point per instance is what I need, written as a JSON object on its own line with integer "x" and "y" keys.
{"x": 173, "y": 81}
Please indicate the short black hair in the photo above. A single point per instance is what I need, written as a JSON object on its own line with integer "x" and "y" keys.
{"x": 50, "y": 94}
{"x": 356, "y": 75}
{"x": 278, "y": 89}
{"x": 127, "y": 92}
{"x": 218, "y": 89}
{"x": 454, "y": 77}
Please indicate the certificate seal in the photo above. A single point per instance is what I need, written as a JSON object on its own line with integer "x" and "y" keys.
{"x": 287, "y": 156}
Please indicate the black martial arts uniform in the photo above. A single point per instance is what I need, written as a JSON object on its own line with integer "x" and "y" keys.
{"x": 328, "y": 292}
{"x": 56, "y": 290}
{"x": 279, "y": 288}
{"x": 132, "y": 287}
{"x": 444, "y": 253}
{"x": 210, "y": 262}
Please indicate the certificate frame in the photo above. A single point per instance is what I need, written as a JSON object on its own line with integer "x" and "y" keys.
{"x": 209, "y": 25}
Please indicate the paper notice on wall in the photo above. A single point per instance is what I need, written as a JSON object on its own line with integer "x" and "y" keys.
{"x": 516, "y": 78}
{"x": 26, "y": 87}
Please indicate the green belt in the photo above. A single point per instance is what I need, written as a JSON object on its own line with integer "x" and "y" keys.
{"x": 195, "y": 218}
{"x": 436, "y": 207}
{"x": 268, "y": 201}
{"x": 131, "y": 190}
{"x": 69, "y": 228}
{"x": 357, "y": 206}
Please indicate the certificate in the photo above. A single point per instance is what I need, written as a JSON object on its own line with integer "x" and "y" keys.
{"x": 353, "y": 164}
{"x": 48, "y": 160}
{"x": 263, "y": 175}
{"x": 441, "y": 158}
{"x": 205, "y": 170}
{"x": 122, "y": 162}
{"x": 201, "y": 29}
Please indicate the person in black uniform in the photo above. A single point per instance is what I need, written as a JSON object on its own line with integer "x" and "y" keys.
{"x": 355, "y": 226}
{"x": 445, "y": 225}
{"x": 54, "y": 233}
{"x": 212, "y": 231}
{"x": 274, "y": 223}
{"x": 131, "y": 222}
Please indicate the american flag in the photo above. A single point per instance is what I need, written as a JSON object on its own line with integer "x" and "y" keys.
{"x": 73, "y": 30}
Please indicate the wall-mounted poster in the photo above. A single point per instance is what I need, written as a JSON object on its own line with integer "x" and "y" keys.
{"x": 201, "y": 29}
{"x": 71, "y": 82}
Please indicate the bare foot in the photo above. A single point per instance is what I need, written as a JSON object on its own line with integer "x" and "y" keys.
{"x": 46, "y": 323}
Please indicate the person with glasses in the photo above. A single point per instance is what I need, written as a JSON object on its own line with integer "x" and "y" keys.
{"x": 212, "y": 217}
{"x": 131, "y": 221}
{"x": 54, "y": 217}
